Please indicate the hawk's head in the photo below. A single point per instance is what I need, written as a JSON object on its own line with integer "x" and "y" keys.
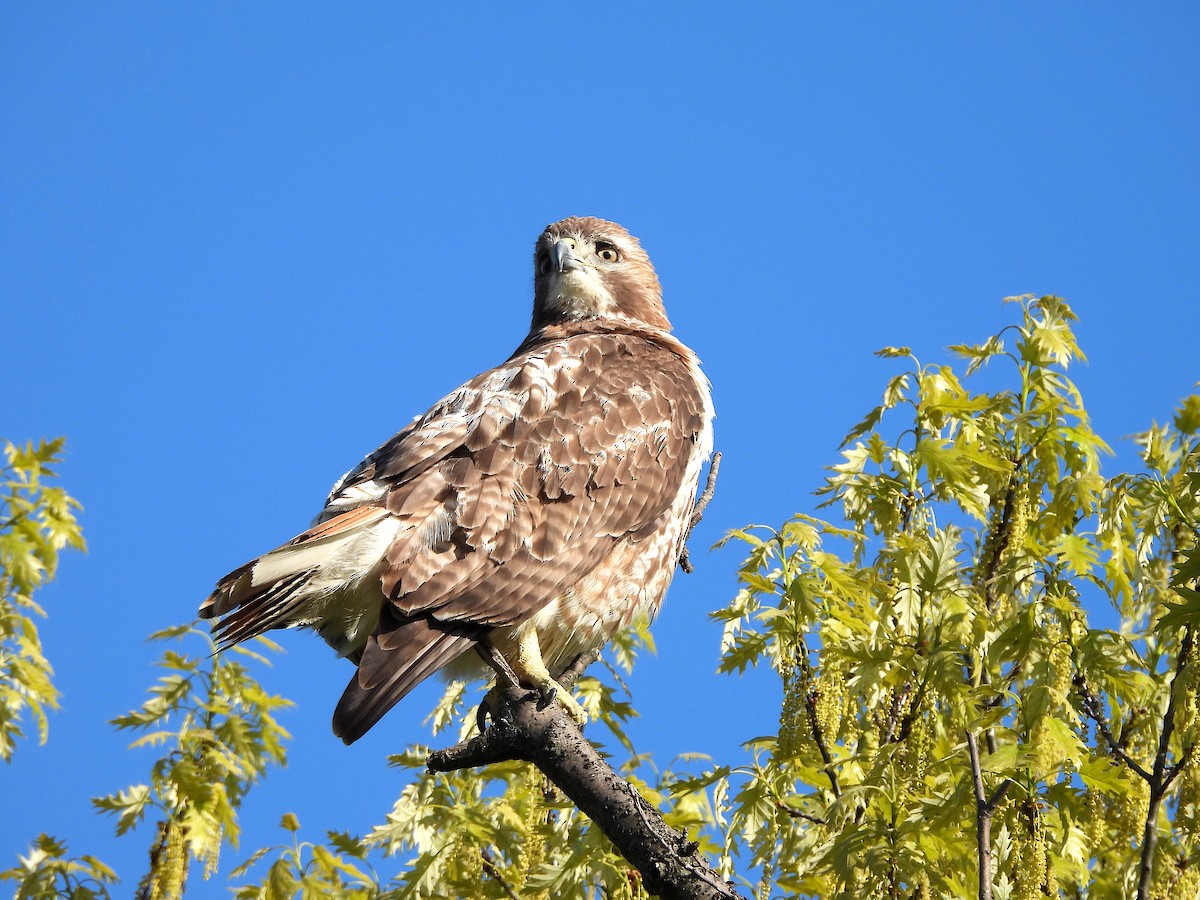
{"x": 587, "y": 268}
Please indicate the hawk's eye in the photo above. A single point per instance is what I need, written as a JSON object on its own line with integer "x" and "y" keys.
{"x": 607, "y": 252}
{"x": 543, "y": 263}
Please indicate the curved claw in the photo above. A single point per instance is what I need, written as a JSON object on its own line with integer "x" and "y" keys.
{"x": 494, "y": 707}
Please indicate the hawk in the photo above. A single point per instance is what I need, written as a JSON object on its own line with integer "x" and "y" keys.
{"x": 529, "y": 515}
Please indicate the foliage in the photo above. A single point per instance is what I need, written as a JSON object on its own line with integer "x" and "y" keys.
{"x": 37, "y": 520}
{"x": 219, "y": 728}
{"x": 47, "y": 872}
{"x": 308, "y": 870}
{"x": 979, "y": 542}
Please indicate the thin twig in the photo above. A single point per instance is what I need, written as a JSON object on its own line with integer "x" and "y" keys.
{"x": 685, "y": 561}
{"x": 798, "y": 814}
{"x": 577, "y": 667}
{"x": 490, "y": 868}
{"x": 810, "y": 707}
{"x": 1091, "y": 707}
{"x": 1174, "y": 770}
{"x": 984, "y": 808}
{"x": 1161, "y": 780}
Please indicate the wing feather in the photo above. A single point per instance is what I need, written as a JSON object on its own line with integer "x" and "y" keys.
{"x": 578, "y": 444}
{"x": 393, "y": 663}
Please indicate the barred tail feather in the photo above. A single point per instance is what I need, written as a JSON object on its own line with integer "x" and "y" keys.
{"x": 273, "y": 607}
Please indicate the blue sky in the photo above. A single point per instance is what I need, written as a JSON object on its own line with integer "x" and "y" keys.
{"x": 239, "y": 248}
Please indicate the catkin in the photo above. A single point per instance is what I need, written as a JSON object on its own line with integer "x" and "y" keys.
{"x": 1030, "y": 860}
{"x": 791, "y": 715}
{"x": 169, "y": 863}
{"x": 831, "y": 701}
{"x": 533, "y": 847}
{"x": 1059, "y": 658}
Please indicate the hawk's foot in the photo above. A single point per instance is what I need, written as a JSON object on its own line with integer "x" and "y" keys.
{"x": 553, "y": 691}
{"x": 531, "y": 669}
{"x": 495, "y": 707}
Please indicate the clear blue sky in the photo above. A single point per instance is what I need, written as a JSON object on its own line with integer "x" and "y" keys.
{"x": 239, "y": 248}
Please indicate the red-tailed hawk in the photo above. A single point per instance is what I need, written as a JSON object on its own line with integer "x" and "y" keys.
{"x": 537, "y": 509}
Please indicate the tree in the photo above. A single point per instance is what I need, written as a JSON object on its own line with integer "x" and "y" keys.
{"x": 989, "y": 683}
{"x": 958, "y": 705}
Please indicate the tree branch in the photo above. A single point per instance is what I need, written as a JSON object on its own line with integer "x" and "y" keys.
{"x": 985, "y": 807}
{"x": 810, "y": 709}
{"x": 1091, "y": 707}
{"x": 490, "y": 868}
{"x": 798, "y": 814}
{"x": 710, "y": 486}
{"x": 546, "y": 736}
{"x": 1161, "y": 778}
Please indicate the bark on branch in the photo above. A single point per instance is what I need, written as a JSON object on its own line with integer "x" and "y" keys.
{"x": 1161, "y": 773}
{"x": 985, "y": 808}
{"x": 668, "y": 861}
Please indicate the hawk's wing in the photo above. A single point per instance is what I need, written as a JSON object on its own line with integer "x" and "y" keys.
{"x": 511, "y": 490}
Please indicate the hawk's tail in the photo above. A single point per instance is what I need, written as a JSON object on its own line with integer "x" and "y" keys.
{"x": 291, "y": 584}
{"x": 393, "y": 663}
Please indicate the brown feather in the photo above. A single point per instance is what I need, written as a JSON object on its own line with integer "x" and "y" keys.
{"x": 392, "y": 664}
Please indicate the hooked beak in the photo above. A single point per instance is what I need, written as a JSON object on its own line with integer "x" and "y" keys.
{"x": 564, "y": 256}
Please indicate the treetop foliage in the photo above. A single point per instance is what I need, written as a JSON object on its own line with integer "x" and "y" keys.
{"x": 972, "y": 588}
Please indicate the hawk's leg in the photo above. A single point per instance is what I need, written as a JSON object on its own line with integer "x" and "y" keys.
{"x": 531, "y": 670}
{"x": 493, "y": 704}
{"x": 524, "y": 666}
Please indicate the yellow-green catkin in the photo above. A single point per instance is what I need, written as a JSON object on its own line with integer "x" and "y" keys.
{"x": 468, "y": 860}
{"x": 766, "y": 881}
{"x": 1044, "y": 749}
{"x": 791, "y": 715}
{"x": 893, "y": 707}
{"x": 1024, "y": 507}
{"x": 830, "y": 706}
{"x": 168, "y": 863}
{"x": 1096, "y": 821}
{"x": 1030, "y": 858}
{"x": 1178, "y": 882}
{"x": 1059, "y": 658}
{"x": 1131, "y": 808}
{"x": 1013, "y": 510}
{"x": 918, "y": 748}
{"x": 533, "y": 845}
{"x": 985, "y": 566}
